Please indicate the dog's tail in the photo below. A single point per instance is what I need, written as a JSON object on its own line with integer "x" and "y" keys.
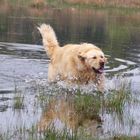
{"x": 49, "y": 38}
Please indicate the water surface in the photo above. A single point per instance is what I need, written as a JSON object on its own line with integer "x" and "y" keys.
{"x": 24, "y": 64}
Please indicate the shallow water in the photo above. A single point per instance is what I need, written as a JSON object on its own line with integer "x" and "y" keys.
{"x": 23, "y": 67}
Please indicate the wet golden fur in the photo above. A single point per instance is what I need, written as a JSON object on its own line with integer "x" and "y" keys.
{"x": 76, "y": 63}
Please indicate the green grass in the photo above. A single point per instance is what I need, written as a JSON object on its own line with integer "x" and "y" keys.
{"x": 52, "y": 134}
{"x": 126, "y": 138}
{"x": 78, "y": 5}
{"x": 116, "y": 100}
{"x": 89, "y": 105}
{"x": 18, "y": 102}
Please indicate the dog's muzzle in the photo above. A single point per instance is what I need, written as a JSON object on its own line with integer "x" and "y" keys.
{"x": 101, "y": 69}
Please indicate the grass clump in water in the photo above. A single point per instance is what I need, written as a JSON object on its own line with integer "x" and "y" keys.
{"x": 89, "y": 105}
{"x": 53, "y": 134}
{"x": 18, "y": 99}
{"x": 111, "y": 101}
{"x": 18, "y": 102}
{"x": 116, "y": 99}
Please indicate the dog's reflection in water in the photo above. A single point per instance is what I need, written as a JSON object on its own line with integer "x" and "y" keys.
{"x": 66, "y": 113}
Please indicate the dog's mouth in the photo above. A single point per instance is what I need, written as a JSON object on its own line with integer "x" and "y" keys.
{"x": 100, "y": 70}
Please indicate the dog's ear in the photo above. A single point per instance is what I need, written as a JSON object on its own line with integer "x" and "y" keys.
{"x": 81, "y": 56}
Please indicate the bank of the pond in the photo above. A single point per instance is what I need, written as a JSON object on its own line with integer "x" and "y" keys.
{"x": 132, "y": 4}
{"x": 108, "y": 3}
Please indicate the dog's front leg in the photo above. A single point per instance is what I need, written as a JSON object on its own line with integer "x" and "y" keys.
{"x": 52, "y": 74}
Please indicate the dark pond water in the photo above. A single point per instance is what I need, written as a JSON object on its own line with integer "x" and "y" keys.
{"x": 23, "y": 62}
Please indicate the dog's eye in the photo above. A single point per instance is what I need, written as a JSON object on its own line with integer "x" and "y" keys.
{"x": 101, "y": 56}
{"x": 94, "y": 57}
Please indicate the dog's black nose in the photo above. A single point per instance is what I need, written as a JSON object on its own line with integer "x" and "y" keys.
{"x": 102, "y": 63}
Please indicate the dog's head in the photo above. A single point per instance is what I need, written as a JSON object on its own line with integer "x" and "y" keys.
{"x": 93, "y": 59}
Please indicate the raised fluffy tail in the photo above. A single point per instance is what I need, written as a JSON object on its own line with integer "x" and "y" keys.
{"x": 49, "y": 38}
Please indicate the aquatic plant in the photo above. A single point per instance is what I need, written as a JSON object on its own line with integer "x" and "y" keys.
{"x": 18, "y": 102}
{"x": 116, "y": 99}
{"x": 87, "y": 104}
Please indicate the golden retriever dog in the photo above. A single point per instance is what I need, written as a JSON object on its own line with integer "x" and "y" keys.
{"x": 74, "y": 63}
